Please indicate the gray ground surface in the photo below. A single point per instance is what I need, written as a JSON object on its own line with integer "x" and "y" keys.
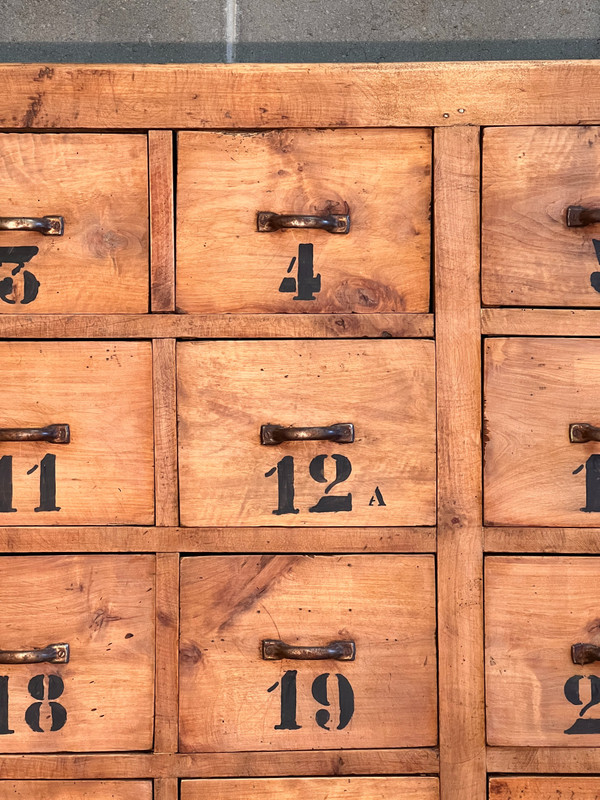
{"x": 308, "y": 30}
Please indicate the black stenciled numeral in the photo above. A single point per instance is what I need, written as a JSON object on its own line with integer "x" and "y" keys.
{"x": 595, "y": 276}
{"x": 343, "y": 470}
{"x": 288, "y": 701}
{"x": 572, "y": 694}
{"x": 308, "y": 283}
{"x": 286, "y": 489}
{"x": 320, "y": 694}
{"x": 4, "y": 729}
{"x": 47, "y": 484}
{"x": 19, "y": 256}
{"x": 285, "y": 486}
{"x": 58, "y": 713}
{"x": 592, "y": 483}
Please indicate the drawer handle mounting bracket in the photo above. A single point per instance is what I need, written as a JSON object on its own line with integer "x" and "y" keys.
{"x": 47, "y": 226}
{"x": 276, "y": 650}
{"x": 51, "y": 654}
{"x": 580, "y": 432}
{"x": 340, "y": 432}
{"x": 583, "y": 653}
{"x": 269, "y": 221}
{"x": 580, "y": 216}
{"x": 55, "y": 434}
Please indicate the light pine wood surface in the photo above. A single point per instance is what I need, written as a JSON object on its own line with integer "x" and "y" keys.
{"x": 102, "y": 606}
{"x": 99, "y": 184}
{"x": 230, "y": 698}
{"x": 316, "y": 788}
{"x": 546, "y": 788}
{"x": 76, "y": 790}
{"x": 228, "y": 390}
{"x": 381, "y": 178}
{"x": 103, "y": 391}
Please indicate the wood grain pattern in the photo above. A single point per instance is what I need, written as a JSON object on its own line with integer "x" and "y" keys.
{"x": 99, "y": 184}
{"x": 382, "y": 178}
{"x": 541, "y": 540}
{"x": 103, "y": 391}
{"x": 460, "y": 568}
{"x": 166, "y": 789}
{"x": 536, "y": 608}
{"x": 167, "y": 656}
{"x": 253, "y": 96}
{"x": 547, "y": 788}
{"x": 210, "y": 765}
{"x": 565, "y": 760}
{"x": 165, "y": 432}
{"x": 540, "y": 322}
{"x": 529, "y": 255}
{"x": 103, "y": 607}
{"x": 227, "y": 390}
{"x": 76, "y": 790}
{"x": 317, "y": 788}
{"x": 217, "y": 540}
{"x": 162, "y": 221}
{"x": 534, "y": 389}
{"x": 219, "y": 326}
{"x": 229, "y": 604}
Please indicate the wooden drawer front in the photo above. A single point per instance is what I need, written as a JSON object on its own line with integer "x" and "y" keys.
{"x": 103, "y": 392}
{"x": 534, "y": 390}
{"x": 530, "y": 178}
{"x": 101, "y": 606}
{"x": 228, "y": 390}
{"x": 381, "y": 178}
{"x": 554, "y": 787}
{"x": 77, "y": 790}
{"x": 233, "y": 699}
{"x": 536, "y": 609}
{"x": 312, "y": 789}
{"x": 98, "y": 183}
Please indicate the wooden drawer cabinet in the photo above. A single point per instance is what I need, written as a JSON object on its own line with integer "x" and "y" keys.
{"x": 76, "y": 433}
{"x": 98, "y": 185}
{"x": 313, "y": 789}
{"x": 555, "y": 787}
{"x": 540, "y": 242}
{"x": 251, "y": 678}
{"x": 542, "y": 466}
{"x": 77, "y": 653}
{"x": 227, "y": 392}
{"x": 76, "y": 790}
{"x": 358, "y": 201}
{"x": 539, "y": 691}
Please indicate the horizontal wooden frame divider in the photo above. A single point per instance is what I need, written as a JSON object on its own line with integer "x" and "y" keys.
{"x": 120, "y": 96}
{"x": 216, "y": 326}
{"x": 540, "y": 322}
{"x": 221, "y": 765}
{"x": 541, "y": 540}
{"x": 121, "y": 539}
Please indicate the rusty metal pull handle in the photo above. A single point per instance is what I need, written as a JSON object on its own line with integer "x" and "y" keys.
{"x": 580, "y": 432}
{"x": 269, "y": 221}
{"x": 51, "y": 654}
{"x": 340, "y": 432}
{"x": 276, "y": 650}
{"x": 582, "y": 653}
{"x": 55, "y": 434}
{"x": 47, "y": 226}
{"x": 580, "y": 216}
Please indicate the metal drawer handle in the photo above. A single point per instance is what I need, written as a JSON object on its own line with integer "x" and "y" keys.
{"x": 580, "y": 216}
{"x": 51, "y": 654}
{"x": 582, "y": 653}
{"x": 275, "y": 650}
{"x": 55, "y": 434}
{"x": 269, "y": 221}
{"x": 47, "y": 226}
{"x": 580, "y": 432}
{"x": 340, "y": 432}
